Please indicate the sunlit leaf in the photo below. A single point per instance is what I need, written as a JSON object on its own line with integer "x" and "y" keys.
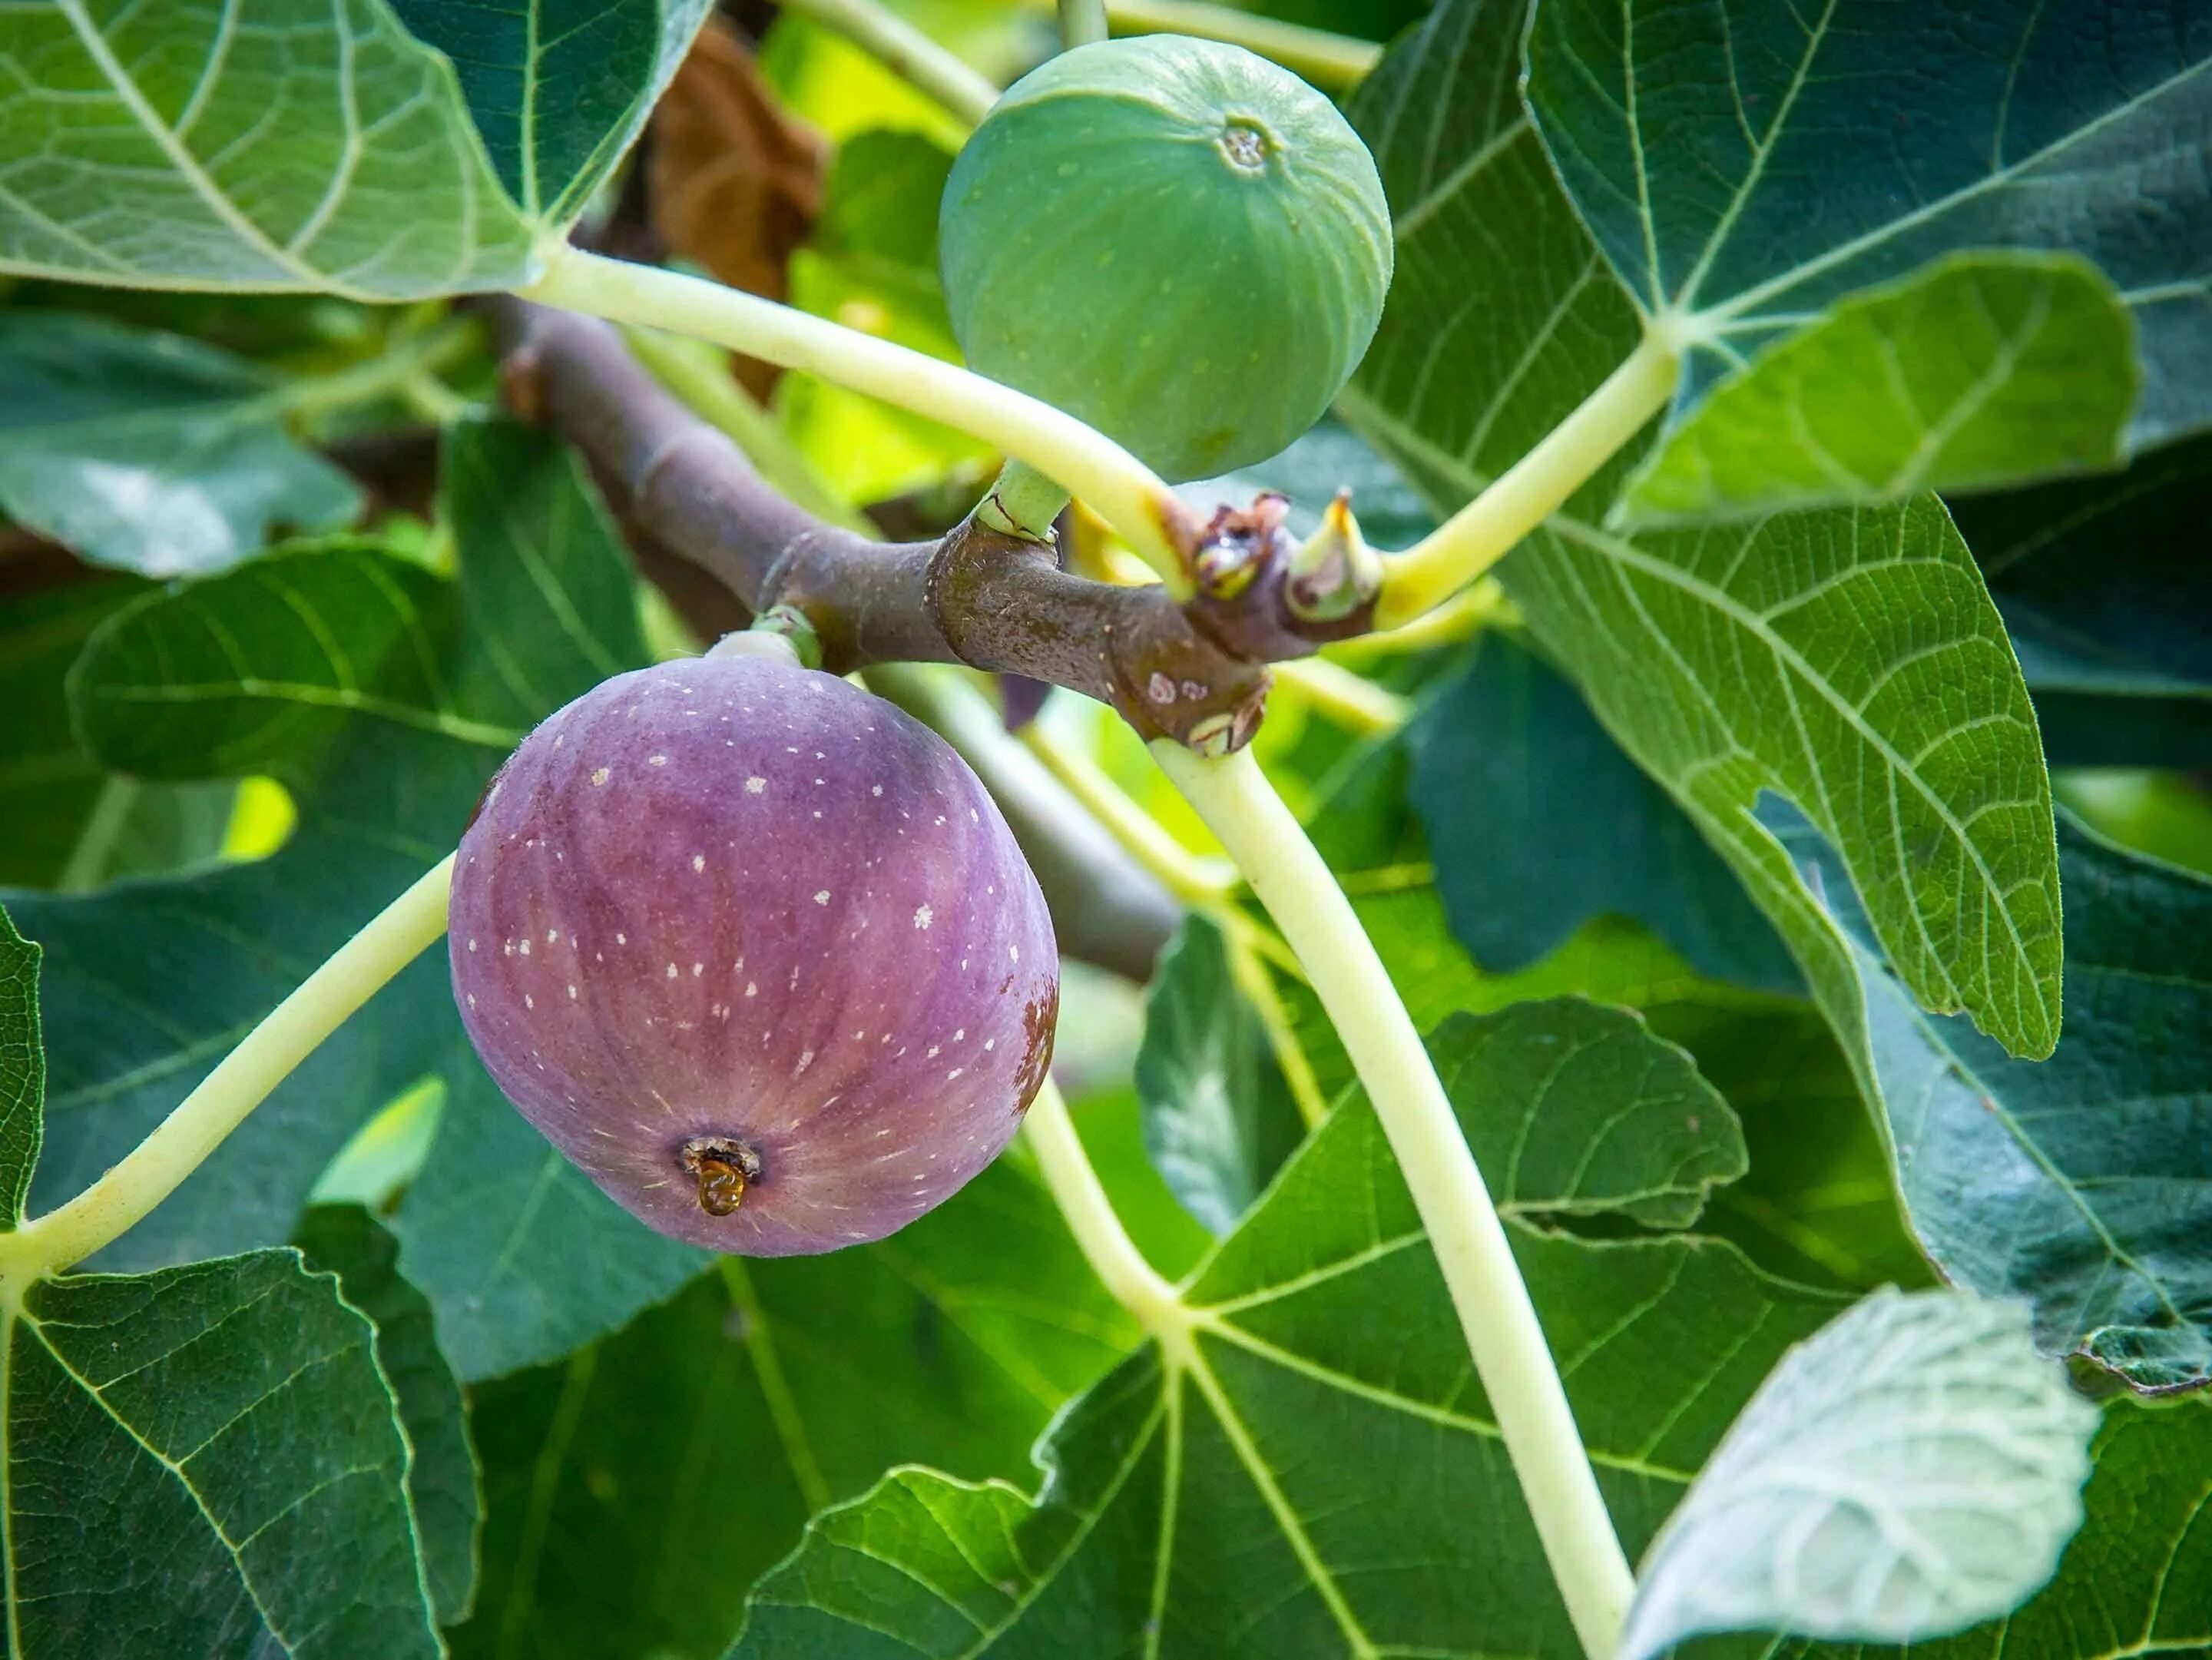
{"x": 150, "y": 452}
{"x": 1908, "y": 1471}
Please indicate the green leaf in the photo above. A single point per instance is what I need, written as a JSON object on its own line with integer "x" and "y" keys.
{"x": 221, "y": 1437}
{"x": 880, "y": 202}
{"x": 1977, "y": 370}
{"x": 150, "y": 452}
{"x": 1725, "y": 156}
{"x": 1219, "y": 1118}
{"x": 203, "y": 1461}
{"x": 1908, "y": 1471}
{"x": 558, "y": 88}
{"x": 1848, "y": 659}
{"x": 307, "y": 146}
{"x": 523, "y": 1257}
{"x": 2083, "y": 1184}
{"x": 640, "y": 1488}
{"x": 1628, "y": 1123}
{"x": 22, "y": 1071}
{"x": 66, "y": 821}
{"x": 1310, "y": 1468}
{"x": 442, "y": 1469}
{"x": 1537, "y": 823}
{"x": 384, "y": 696}
{"x": 2106, "y": 589}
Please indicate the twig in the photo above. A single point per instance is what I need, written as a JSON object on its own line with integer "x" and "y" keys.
{"x": 1195, "y": 673}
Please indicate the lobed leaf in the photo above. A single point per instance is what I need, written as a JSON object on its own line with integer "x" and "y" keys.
{"x": 1723, "y": 155}
{"x": 1848, "y": 659}
{"x": 1198, "y": 1501}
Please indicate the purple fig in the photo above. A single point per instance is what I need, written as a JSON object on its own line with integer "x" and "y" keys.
{"x": 757, "y": 951}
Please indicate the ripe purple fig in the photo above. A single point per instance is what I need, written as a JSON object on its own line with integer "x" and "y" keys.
{"x": 757, "y": 951}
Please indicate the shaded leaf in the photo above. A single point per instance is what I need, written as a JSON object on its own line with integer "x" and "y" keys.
{"x": 150, "y": 452}
{"x": 1537, "y": 823}
{"x": 640, "y": 1488}
{"x": 223, "y": 1432}
{"x": 1974, "y": 371}
{"x": 2083, "y": 1184}
{"x": 2106, "y": 590}
{"x": 1723, "y": 155}
{"x": 66, "y": 821}
{"x": 1219, "y": 1118}
{"x": 1910, "y": 1470}
{"x": 22, "y": 1071}
{"x": 442, "y": 1469}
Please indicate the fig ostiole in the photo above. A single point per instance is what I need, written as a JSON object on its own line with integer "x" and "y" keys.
{"x": 755, "y": 950}
{"x": 1177, "y": 242}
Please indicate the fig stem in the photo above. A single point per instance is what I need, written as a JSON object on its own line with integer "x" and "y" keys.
{"x": 1503, "y": 1334}
{"x": 1334, "y": 62}
{"x": 1114, "y": 484}
{"x": 1193, "y": 878}
{"x": 1082, "y": 22}
{"x": 1132, "y": 1282}
{"x": 151, "y": 1171}
{"x": 1520, "y": 498}
{"x": 1353, "y": 700}
{"x": 906, "y": 52}
{"x": 1022, "y": 503}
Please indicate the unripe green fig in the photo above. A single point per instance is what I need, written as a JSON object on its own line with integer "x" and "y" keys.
{"x": 1177, "y": 242}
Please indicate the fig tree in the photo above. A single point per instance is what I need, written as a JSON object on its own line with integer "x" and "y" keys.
{"x": 757, "y": 951}
{"x": 1177, "y": 242}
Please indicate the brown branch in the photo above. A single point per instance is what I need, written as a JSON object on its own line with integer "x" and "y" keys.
{"x": 1195, "y": 673}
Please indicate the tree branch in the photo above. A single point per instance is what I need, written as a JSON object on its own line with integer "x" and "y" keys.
{"x": 1193, "y": 672}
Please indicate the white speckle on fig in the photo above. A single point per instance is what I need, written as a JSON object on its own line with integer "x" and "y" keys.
{"x": 854, "y": 1131}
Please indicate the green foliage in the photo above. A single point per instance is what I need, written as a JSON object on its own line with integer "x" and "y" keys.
{"x": 227, "y": 1432}
{"x": 150, "y": 452}
{"x": 1721, "y": 869}
{"x": 2083, "y": 1184}
{"x": 1197, "y": 1493}
{"x": 2104, "y": 585}
{"x": 1723, "y": 156}
{"x": 304, "y": 149}
{"x": 1569, "y": 829}
{"x": 384, "y": 695}
{"x": 1176, "y": 241}
{"x": 1219, "y": 1117}
{"x": 618, "y": 1527}
{"x": 1848, "y": 659}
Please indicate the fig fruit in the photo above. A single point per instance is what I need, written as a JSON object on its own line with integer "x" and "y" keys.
{"x": 1174, "y": 239}
{"x": 757, "y": 951}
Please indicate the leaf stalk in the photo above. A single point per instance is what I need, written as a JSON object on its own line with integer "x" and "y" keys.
{"x": 151, "y": 1171}
{"x": 1520, "y": 498}
{"x": 1507, "y": 1341}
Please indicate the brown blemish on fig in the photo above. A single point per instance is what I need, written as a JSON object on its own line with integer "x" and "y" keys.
{"x": 724, "y": 1167}
{"x": 1040, "y": 1017}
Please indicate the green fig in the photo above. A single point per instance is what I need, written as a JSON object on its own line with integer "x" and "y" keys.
{"x": 1177, "y": 242}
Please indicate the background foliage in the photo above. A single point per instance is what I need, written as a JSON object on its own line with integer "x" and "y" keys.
{"x": 1799, "y": 867}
